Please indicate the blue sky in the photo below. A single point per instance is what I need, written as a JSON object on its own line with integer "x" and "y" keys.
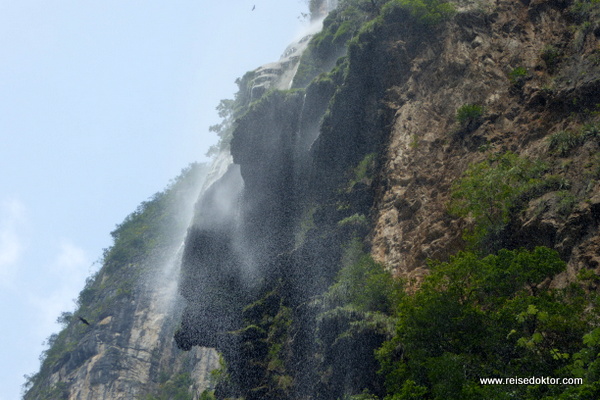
{"x": 101, "y": 104}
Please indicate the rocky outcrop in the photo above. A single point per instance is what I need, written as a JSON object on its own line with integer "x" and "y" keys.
{"x": 121, "y": 355}
{"x": 126, "y": 349}
{"x": 353, "y": 143}
{"x": 371, "y": 148}
{"x": 472, "y": 64}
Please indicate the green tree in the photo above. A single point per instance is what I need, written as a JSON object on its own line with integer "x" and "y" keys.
{"x": 489, "y": 190}
{"x": 469, "y": 116}
{"x": 176, "y": 388}
{"x": 356, "y": 319}
{"x": 478, "y": 317}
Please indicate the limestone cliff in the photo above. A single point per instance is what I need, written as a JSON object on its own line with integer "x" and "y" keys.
{"x": 470, "y": 61}
{"x": 394, "y": 104}
{"x": 119, "y": 343}
{"x": 401, "y": 134}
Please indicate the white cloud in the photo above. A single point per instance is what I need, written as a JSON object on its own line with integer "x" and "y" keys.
{"x": 12, "y": 214}
{"x": 68, "y": 271}
{"x": 71, "y": 259}
{"x": 10, "y": 247}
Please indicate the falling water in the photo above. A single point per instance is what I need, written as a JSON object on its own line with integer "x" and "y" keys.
{"x": 126, "y": 348}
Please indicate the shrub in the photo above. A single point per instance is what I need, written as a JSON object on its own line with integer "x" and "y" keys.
{"x": 469, "y": 113}
{"x": 355, "y": 320}
{"x": 207, "y": 395}
{"x": 551, "y": 57}
{"x": 478, "y": 317}
{"x": 563, "y": 142}
{"x": 428, "y": 12}
{"x": 590, "y": 131}
{"x": 365, "y": 395}
{"x": 354, "y": 219}
{"x": 566, "y": 202}
{"x": 364, "y": 171}
{"x": 490, "y": 189}
{"x": 518, "y": 76}
{"x": 330, "y": 43}
{"x": 584, "y": 10}
{"x": 363, "y": 284}
{"x": 178, "y": 388}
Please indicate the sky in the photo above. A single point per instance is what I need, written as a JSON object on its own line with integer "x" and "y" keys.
{"x": 101, "y": 104}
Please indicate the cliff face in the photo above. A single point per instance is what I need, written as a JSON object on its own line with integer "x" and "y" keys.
{"x": 400, "y": 135}
{"x": 125, "y": 348}
{"x": 471, "y": 63}
{"x": 394, "y": 106}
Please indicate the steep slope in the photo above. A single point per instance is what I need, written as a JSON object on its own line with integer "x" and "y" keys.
{"x": 533, "y": 68}
{"x": 131, "y": 308}
{"x": 414, "y": 130}
{"x": 405, "y": 203}
{"x": 126, "y": 348}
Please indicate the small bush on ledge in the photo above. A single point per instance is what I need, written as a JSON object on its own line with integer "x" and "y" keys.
{"x": 469, "y": 117}
{"x": 518, "y": 76}
{"x": 468, "y": 113}
{"x": 563, "y": 142}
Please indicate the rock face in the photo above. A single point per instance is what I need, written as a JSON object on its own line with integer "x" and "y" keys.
{"x": 279, "y": 75}
{"x": 369, "y": 146}
{"x": 392, "y": 103}
{"x": 471, "y": 63}
{"x": 119, "y": 357}
{"x": 132, "y": 307}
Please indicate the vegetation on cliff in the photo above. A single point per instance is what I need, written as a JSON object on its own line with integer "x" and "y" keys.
{"x": 318, "y": 316}
{"x": 141, "y": 242}
{"x": 354, "y": 16}
{"x": 491, "y": 312}
{"x": 491, "y": 317}
{"x": 489, "y": 192}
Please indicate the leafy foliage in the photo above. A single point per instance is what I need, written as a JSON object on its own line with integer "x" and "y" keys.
{"x": 155, "y": 226}
{"x": 176, "y": 388}
{"x": 590, "y": 130}
{"x": 306, "y": 224}
{"x": 468, "y": 113}
{"x": 518, "y": 76}
{"x": 551, "y": 57}
{"x": 229, "y": 110}
{"x": 355, "y": 319}
{"x": 364, "y": 170}
{"x": 428, "y": 12}
{"x": 363, "y": 284}
{"x": 354, "y": 219}
{"x": 365, "y": 395}
{"x": 486, "y": 317}
{"x": 152, "y": 226}
{"x": 330, "y": 43}
{"x": 472, "y": 317}
{"x": 563, "y": 142}
{"x": 261, "y": 363}
{"x": 490, "y": 189}
{"x": 224, "y": 129}
{"x": 353, "y": 17}
{"x": 58, "y": 391}
{"x": 585, "y": 11}
{"x": 469, "y": 116}
{"x": 207, "y": 395}
{"x": 585, "y": 364}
